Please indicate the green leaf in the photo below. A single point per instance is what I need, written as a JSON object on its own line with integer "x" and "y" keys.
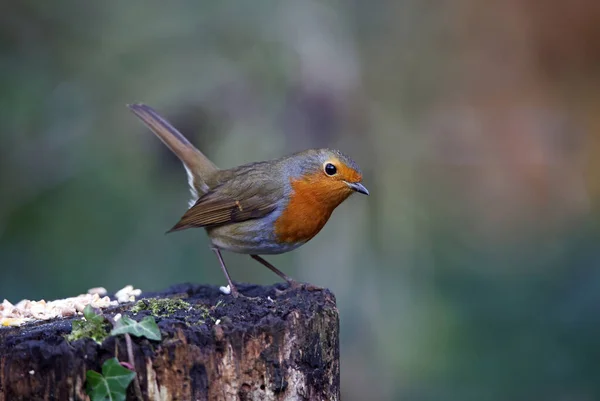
{"x": 111, "y": 385}
{"x": 88, "y": 312}
{"x": 147, "y": 327}
{"x": 90, "y": 315}
{"x": 92, "y": 326}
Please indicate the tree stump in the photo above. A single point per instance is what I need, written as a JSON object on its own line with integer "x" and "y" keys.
{"x": 277, "y": 347}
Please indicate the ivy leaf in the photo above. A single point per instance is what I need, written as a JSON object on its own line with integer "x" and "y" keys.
{"x": 111, "y": 385}
{"x": 147, "y": 327}
{"x": 90, "y": 315}
{"x": 92, "y": 326}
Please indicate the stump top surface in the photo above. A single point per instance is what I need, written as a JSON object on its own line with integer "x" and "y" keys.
{"x": 213, "y": 347}
{"x": 208, "y": 306}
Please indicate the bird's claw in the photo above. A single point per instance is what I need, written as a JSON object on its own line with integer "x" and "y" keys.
{"x": 311, "y": 287}
{"x": 238, "y": 295}
{"x": 296, "y": 285}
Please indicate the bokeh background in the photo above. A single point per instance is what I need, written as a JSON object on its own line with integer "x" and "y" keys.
{"x": 472, "y": 272}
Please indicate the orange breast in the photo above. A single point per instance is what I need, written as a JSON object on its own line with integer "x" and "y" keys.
{"x": 311, "y": 203}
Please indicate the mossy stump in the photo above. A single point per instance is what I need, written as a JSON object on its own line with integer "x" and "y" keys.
{"x": 214, "y": 347}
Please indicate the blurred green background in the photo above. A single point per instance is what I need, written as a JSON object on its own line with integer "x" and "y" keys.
{"x": 472, "y": 270}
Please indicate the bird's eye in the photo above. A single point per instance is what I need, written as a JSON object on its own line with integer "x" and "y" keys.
{"x": 330, "y": 169}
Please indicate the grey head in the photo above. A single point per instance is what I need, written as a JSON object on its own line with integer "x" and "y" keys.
{"x": 330, "y": 162}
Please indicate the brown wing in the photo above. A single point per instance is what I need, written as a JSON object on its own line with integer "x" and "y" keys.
{"x": 250, "y": 194}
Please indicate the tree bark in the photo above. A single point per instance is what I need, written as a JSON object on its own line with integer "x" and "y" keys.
{"x": 276, "y": 347}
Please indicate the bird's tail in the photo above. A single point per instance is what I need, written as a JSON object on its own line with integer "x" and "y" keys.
{"x": 197, "y": 165}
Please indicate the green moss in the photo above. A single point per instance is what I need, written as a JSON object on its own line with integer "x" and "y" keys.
{"x": 96, "y": 329}
{"x": 199, "y": 318}
{"x": 160, "y": 306}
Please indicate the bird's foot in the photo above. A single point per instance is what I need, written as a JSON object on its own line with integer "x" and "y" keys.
{"x": 297, "y": 285}
{"x": 239, "y": 295}
{"x": 233, "y": 291}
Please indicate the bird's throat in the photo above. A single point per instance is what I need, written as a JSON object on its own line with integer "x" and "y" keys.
{"x": 311, "y": 203}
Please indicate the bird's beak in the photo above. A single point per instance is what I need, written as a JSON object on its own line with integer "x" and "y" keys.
{"x": 358, "y": 187}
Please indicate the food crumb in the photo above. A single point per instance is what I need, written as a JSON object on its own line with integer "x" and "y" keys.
{"x": 26, "y": 310}
{"x": 101, "y": 291}
{"x": 127, "y": 294}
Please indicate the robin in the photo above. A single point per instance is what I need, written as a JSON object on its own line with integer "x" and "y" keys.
{"x": 261, "y": 208}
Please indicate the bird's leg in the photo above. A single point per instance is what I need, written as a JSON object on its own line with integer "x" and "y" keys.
{"x": 293, "y": 283}
{"x": 234, "y": 291}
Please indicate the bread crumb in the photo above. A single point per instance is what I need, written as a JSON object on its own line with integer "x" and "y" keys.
{"x": 25, "y": 310}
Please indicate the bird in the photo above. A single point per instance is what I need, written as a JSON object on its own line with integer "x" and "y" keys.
{"x": 260, "y": 208}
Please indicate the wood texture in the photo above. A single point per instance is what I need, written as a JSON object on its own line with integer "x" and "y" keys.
{"x": 285, "y": 349}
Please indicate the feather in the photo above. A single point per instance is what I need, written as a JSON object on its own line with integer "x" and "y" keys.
{"x": 248, "y": 193}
